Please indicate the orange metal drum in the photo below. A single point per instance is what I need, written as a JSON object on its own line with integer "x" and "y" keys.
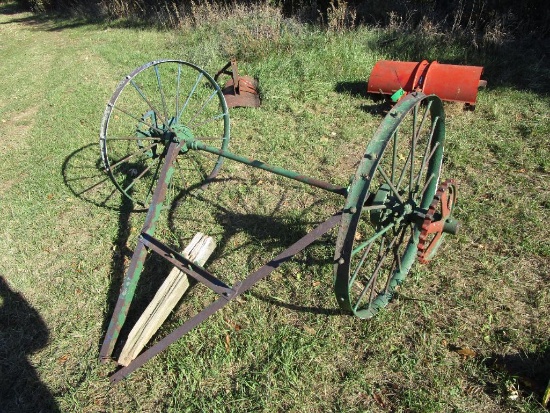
{"x": 450, "y": 82}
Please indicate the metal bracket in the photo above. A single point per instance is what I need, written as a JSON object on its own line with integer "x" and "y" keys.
{"x": 239, "y": 91}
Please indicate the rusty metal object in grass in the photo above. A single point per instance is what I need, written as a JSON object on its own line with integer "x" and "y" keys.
{"x": 438, "y": 221}
{"x": 455, "y": 83}
{"x": 165, "y": 113}
{"x": 239, "y": 91}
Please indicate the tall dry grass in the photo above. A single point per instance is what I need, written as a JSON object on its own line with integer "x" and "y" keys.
{"x": 482, "y": 20}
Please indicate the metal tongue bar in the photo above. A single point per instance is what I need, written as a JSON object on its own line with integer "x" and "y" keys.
{"x": 239, "y": 91}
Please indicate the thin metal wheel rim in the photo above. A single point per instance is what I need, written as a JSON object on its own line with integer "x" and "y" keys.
{"x": 358, "y": 193}
{"x": 126, "y": 82}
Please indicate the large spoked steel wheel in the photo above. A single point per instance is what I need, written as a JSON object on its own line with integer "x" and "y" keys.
{"x": 150, "y": 106}
{"x": 389, "y": 195}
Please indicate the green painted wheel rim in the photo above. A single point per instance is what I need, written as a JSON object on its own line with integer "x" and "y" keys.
{"x": 377, "y": 243}
{"x": 152, "y": 106}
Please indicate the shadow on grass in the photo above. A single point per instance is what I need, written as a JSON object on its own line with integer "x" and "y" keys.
{"x": 55, "y": 22}
{"x": 355, "y": 89}
{"x": 84, "y": 175}
{"x": 531, "y": 371}
{"x": 22, "y": 332}
{"x": 10, "y": 9}
{"x": 377, "y": 105}
{"x": 156, "y": 268}
{"x": 268, "y": 235}
{"x": 271, "y": 232}
{"x": 301, "y": 308}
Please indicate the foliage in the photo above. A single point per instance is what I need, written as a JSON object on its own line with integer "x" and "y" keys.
{"x": 484, "y": 18}
{"x": 467, "y": 333}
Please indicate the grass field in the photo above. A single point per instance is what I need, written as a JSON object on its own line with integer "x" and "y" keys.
{"x": 467, "y": 333}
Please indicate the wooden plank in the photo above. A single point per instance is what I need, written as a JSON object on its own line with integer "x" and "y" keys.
{"x": 168, "y": 295}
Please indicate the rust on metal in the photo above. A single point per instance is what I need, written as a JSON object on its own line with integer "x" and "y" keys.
{"x": 438, "y": 221}
{"x": 455, "y": 83}
{"x": 138, "y": 258}
{"x": 237, "y": 289}
{"x": 239, "y": 91}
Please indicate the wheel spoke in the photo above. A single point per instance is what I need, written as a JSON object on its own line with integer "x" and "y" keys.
{"x": 360, "y": 264}
{"x": 388, "y": 181}
{"x": 152, "y": 183}
{"x": 396, "y": 257}
{"x": 161, "y": 90}
{"x": 191, "y": 93}
{"x": 406, "y": 155}
{"x": 372, "y": 278}
{"x": 415, "y": 114}
{"x": 381, "y": 232}
{"x": 433, "y": 151}
{"x": 144, "y": 97}
{"x": 415, "y": 138}
{"x": 139, "y": 120}
{"x": 425, "y": 158}
{"x": 402, "y": 175}
{"x": 137, "y": 178}
{"x": 426, "y": 185}
{"x": 424, "y": 117}
{"x": 128, "y": 157}
{"x": 394, "y": 157}
{"x": 145, "y": 110}
{"x": 135, "y": 138}
{"x": 375, "y": 275}
{"x": 178, "y": 89}
{"x": 373, "y": 207}
{"x": 191, "y": 122}
{"x": 210, "y": 139}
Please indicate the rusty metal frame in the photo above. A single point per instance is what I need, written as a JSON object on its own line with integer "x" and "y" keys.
{"x": 147, "y": 242}
{"x": 228, "y": 295}
{"x": 358, "y": 197}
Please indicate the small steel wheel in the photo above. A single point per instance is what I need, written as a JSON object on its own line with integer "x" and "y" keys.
{"x": 153, "y": 104}
{"x": 387, "y": 201}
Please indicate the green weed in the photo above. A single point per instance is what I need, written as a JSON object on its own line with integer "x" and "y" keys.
{"x": 283, "y": 346}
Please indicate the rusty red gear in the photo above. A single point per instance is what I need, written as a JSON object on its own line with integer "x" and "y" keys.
{"x": 446, "y": 197}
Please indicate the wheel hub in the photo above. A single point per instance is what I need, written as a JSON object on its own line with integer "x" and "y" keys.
{"x": 391, "y": 207}
{"x": 183, "y": 133}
